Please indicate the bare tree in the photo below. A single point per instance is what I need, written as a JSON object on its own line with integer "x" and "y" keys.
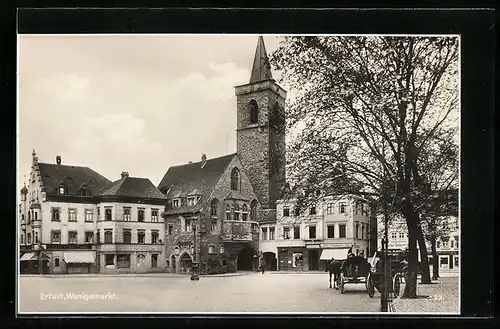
{"x": 364, "y": 109}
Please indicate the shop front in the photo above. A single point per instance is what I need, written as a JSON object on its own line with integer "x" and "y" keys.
{"x": 79, "y": 262}
{"x": 293, "y": 259}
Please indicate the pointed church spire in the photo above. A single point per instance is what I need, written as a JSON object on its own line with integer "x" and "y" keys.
{"x": 261, "y": 70}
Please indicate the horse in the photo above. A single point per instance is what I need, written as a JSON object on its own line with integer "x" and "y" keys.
{"x": 334, "y": 268}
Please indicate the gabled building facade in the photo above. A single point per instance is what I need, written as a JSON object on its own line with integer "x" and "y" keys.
{"x": 67, "y": 211}
{"x": 214, "y": 200}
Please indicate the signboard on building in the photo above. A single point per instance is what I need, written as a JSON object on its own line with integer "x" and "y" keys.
{"x": 335, "y": 245}
{"x": 313, "y": 246}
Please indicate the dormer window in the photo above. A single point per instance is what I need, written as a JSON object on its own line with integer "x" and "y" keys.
{"x": 84, "y": 190}
{"x": 62, "y": 190}
{"x": 192, "y": 200}
{"x": 175, "y": 203}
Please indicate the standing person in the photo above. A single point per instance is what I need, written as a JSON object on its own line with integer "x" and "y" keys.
{"x": 262, "y": 267}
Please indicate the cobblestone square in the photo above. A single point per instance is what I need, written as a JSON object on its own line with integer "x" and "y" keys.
{"x": 252, "y": 292}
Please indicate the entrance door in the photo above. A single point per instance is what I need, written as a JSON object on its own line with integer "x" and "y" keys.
{"x": 314, "y": 260}
{"x": 45, "y": 266}
{"x": 283, "y": 258}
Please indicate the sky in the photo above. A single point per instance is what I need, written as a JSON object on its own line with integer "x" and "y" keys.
{"x": 129, "y": 102}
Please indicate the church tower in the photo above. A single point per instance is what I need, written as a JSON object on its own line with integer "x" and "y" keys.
{"x": 260, "y": 130}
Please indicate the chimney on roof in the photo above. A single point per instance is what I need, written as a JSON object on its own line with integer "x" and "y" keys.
{"x": 58, "y": 159}
{"x": 124, "y": 174}
{"x": 203, "y": 160}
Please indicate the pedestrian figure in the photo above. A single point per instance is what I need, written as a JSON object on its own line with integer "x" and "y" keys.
{"x": 262, "y": 268}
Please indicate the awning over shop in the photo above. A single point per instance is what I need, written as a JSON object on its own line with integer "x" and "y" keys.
{"x": 86, "y": 257}
{"x": 338, "y": 254}
{"x": 29, "y": 256}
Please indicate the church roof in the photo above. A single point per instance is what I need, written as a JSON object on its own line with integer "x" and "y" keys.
{"x": 72, "y": 177}
{"x": 133, "y": 187}
{"x": 261, "y": 69}
{"x": 179, "y": 181}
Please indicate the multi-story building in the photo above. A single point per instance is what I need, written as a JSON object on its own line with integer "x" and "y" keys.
{"x": 447, "y": 245}
{"x": 72, "y": 219}
{"x": 214, "y": 200}
{"x": 229, "y": 195}
{"x": 306, "y": 239}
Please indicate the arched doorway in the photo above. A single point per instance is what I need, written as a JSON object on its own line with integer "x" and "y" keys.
{"x": 245, "y": 259}
{"x": 185, "y": 263}
{"x": 270, "y": 261}
{"x": 141, "y": 262}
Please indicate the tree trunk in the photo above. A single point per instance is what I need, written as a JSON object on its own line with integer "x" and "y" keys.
{"x": 424, "y": 267}
{"x": 411, "y": 282}
{"x": 435, "y": 260}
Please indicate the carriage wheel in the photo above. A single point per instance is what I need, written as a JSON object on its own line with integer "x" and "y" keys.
{"x": 342, "y": 283}
{"x": 369, "y": 286}
{"x": 396, "y": 285}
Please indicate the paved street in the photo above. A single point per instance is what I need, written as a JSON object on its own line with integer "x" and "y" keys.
{"x": 252, "y": 292}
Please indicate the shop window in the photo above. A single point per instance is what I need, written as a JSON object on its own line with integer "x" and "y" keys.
{"x": 297, "y": 259}
{"x": 123, "y": 261}
{"x": 109, "y": 259}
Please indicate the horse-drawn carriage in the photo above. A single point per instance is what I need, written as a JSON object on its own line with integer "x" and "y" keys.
{"x": 354, "y": 270}
{"x": 375, "y": 278}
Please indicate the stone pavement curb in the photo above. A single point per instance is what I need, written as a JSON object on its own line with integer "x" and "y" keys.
{"x": 154, "y": 275}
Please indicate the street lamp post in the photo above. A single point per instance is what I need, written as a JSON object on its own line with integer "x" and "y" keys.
{"x": 194, "y": 268}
